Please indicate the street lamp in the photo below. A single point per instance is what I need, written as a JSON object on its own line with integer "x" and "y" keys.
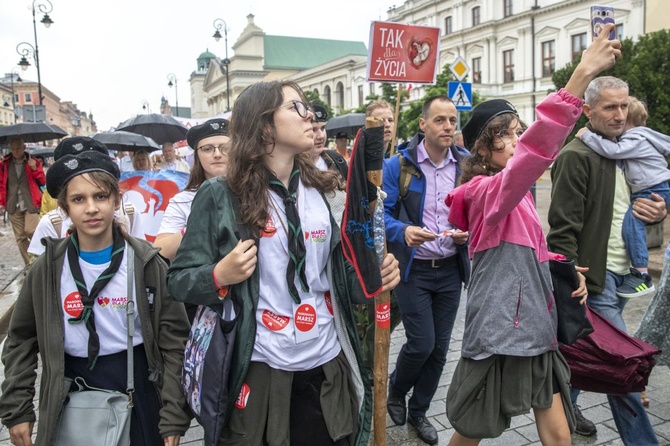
{"x": 145, "y": 106}
{"x": 44, "y": 7}
{"x": 218, "y": 25}
{"x": 173, "y": 81}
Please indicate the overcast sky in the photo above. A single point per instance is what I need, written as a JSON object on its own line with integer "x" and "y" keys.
{"x": 107, "y": 57}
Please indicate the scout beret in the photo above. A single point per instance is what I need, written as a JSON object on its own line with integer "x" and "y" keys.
{"x": 213, "y": 127}
{"x": 69, "y": 166}
{"x": 482, "y": 114}
{"x": 78, "y": 144}
{"x": 320, "y": 113}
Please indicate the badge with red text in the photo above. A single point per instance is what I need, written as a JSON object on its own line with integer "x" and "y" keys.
{"x": 270, "y": 229}
{"x": 72, "y": 304}
{"x": 383, "y": 315}
{"x": 273, "y": 321}
{"x": 243, "y": 397}
{"x": 304, "y": 320}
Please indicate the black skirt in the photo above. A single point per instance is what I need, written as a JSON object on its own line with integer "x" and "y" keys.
{"x": 110, "y": 372}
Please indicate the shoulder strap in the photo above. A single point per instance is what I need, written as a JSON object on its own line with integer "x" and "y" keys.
{"x": 340, "y": 162}
{"x": 407, "y": 171}
{"x": 56, "y": 221}
{"x": 130, "y": 313}
{"x": 130, "y": 212}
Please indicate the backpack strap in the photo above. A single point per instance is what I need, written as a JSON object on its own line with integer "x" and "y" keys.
{"x": 407, "y": 171}
{"x": 340, "y": 162}
{"x": 129, "y": 209}
{"x": 56, "y": 221}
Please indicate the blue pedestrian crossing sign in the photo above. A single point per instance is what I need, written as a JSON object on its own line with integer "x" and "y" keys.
{"x": 461, "y": 94}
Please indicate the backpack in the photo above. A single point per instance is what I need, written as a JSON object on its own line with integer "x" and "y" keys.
{"x": 57, "y": 221}
{"x": 407, "y": 171}
{"x": 340, "y": 162}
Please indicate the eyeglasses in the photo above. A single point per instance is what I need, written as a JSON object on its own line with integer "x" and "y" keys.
{"x": 508, "y": 137}
{"x": 209, "y": 149}
{"x": 300, "y": 108}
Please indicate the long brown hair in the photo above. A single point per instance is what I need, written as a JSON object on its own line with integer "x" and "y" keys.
{"x": 477, "y": 164}
{"x": 251, "y": 131}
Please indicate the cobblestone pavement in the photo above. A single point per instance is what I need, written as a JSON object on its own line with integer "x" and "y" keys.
{"x": 522, "y": 431}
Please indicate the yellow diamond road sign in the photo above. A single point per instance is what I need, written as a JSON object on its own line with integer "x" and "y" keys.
{"x": 459, "y": 68}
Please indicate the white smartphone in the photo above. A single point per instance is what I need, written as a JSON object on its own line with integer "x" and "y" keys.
{"x": 600, "y": 15}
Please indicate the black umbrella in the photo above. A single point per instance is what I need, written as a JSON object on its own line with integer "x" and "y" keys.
{"x": 349, "y": 123}
{"x": 160, "y": 128}
{"x": 126, "y": 141}
{"x": 31, "y": 132}
{"x": 41, "y": 152}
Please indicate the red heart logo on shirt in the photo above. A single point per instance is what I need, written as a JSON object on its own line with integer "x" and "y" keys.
{"x": 103, "y": 301}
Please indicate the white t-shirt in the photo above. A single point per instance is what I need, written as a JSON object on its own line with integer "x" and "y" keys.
{"x": 177, "y": 212}
{"x": 109, "y": 310}
{"x": 275, "y": 342}
{"x": 45, "y": 227}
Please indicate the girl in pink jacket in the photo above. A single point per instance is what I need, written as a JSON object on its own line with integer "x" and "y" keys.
{"x": 510, "y": 360}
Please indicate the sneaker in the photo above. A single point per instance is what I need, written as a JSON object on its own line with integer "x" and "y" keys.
{"x": 583, "y": 426}
{"x": 636, "y": 284}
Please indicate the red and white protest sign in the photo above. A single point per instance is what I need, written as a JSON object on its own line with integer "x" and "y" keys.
{"x": 403, "y": 53}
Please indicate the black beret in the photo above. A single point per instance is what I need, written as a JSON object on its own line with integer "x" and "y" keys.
{"x": 69, "y": 166}
{"x": 341, "y": 135}
{"x": 78, "y": 144}
{"x": 320, "y": 113}
{"x": 482, "y": 114}
{"x": 213, "y": 127}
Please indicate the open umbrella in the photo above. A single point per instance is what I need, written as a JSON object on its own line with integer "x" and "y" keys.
{"x": 160, "y": 128}
{"x": 349, "y": 123}
{"x": 126, "y": 141}
{"x": 31, "y": 132}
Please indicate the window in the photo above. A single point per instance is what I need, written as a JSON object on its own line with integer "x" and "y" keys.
{"x": 361, "y": 97}
{"x": 619, "y": 31}
{"x": 548, "y": 58}
{"x": 476, "y": 17}
{"x": 16, "y": 97}
{"x": 447, "y": 26}
{"x": 508, "y": 66}
{"x": 477, "y": 70}
{"x": 28, "y": 97}
{"x": 578, "y": 45}
{"x": 507, "y": 8}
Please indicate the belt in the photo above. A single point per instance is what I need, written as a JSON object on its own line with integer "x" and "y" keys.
{"x": 435, "y": 263}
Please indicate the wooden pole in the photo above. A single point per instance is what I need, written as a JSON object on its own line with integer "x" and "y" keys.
{"x": 395, "y": 120}
{"x": 382, "y": 328}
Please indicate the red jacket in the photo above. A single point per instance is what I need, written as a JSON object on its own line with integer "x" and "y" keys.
{"x": 37, "y": 176}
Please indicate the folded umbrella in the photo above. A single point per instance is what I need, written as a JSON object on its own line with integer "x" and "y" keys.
{"x": 31, "y": 132}
{"x": 609, "y": 360}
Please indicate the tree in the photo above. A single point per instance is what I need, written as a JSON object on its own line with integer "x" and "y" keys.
{"x": 644, "y": 65}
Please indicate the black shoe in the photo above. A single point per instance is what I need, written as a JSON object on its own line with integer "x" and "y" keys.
{"x": 396, "y": 408}
{"x": 583, "y": 426}
{"x": 424, "y": 430}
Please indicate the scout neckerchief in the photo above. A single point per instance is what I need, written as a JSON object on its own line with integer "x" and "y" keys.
{"x": 87, "y": 316}
{"x": 296, "y": 242}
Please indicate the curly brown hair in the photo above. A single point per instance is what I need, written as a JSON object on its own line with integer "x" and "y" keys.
{"x": 477, "y": 164}
{"x": 251, "y": 132}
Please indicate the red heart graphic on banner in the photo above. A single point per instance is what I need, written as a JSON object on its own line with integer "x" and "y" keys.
{"x": 419, "y": 52}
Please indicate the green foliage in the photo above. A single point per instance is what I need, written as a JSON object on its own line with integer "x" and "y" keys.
{"x": 644, "y": 65}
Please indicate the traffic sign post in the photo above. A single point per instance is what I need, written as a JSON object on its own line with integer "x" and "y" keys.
{"x": 461, "y": 95}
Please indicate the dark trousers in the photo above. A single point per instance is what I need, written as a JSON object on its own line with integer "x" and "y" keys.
{"x": 428, "y": 303}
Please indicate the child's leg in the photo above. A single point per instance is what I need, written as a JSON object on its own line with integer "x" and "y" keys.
{"x": 552, "y": 425}
{"x": 635, "y": 236}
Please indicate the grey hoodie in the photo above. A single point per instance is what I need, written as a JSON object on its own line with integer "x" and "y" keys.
{"x": 642, "y": 151}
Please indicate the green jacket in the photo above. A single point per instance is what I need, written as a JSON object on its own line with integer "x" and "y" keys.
{"x": 212, "y": 233}
{"x": 37, "y": 326}
{"x": 581, "y": 209}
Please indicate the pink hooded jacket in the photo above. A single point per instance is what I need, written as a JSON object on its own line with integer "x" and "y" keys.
{"x": 500, "y": 207}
